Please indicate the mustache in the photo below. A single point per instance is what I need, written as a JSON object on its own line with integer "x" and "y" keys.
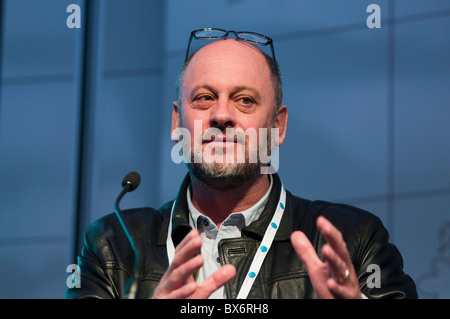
{"x": 214, "y": 134}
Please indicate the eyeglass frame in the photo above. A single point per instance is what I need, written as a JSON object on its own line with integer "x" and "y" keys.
{"x": 236, "y": 34}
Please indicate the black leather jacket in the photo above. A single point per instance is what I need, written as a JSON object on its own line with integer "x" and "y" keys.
{"x": 106, "y": 260}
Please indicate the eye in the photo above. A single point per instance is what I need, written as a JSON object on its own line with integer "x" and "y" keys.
{"x": 203, "y": 100}
{"x": 245, "y": 101}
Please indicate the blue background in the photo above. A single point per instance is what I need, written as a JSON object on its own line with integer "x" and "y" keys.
{"x": 369, "y": 119}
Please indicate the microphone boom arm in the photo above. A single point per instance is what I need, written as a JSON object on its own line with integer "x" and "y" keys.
{"x": 131, "y": 287}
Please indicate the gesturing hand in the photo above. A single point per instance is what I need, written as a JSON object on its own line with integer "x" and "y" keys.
{"x": 178, "y": 282}
{"x": 335, "y": 277}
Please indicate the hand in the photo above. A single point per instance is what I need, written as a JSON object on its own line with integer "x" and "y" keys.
{"x": 178, "y": 281}
{"x": 335, "y": 277}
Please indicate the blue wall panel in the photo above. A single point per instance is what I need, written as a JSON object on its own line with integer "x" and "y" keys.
{"x": 422, "y": 116}
{"x": 36, "y": 40}
{"x": 335, "y": 90}
{"x": 37, "y": 152}
{"x": 38, "y": 145}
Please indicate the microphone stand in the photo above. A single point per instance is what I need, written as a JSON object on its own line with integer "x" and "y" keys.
{"x": 131, "y": 286}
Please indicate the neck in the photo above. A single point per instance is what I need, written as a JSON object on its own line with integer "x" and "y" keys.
{"x": 219, "y": 204}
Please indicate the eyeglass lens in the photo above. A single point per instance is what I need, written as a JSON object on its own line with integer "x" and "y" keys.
{"x": 253, "y": 37}
{"x": 210, "y": 33}
{"x": 217, "y": 33}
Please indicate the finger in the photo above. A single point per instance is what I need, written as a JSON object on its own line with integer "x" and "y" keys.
{"x": 188, "y": 248}
{"x": 334, "y": 238}
{"x": 215, "y": 281}
{"x": 336, "y": 264}
{"x": 183, "y": 292}
{"x": 343, "y": 292}
{"x": 183, "y": 273}
{"x": 176, "y": 280}
{"x": 187, "y": 238}
{"x": 305, "y": 250}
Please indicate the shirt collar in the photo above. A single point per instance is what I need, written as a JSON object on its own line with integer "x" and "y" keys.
{"x": 179, "y": 218}
{"x": 249, "y": 214}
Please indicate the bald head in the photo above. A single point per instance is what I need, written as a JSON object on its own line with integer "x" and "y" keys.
{"x": 236, "y": 56}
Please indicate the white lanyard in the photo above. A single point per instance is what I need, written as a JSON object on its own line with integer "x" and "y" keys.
{"x": 169, "y": 243}
{"x": 263, "y": 249}
{"x": 260, "y": 254}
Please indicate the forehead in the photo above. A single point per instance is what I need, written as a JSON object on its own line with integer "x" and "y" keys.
{"x": 228, "y": 62}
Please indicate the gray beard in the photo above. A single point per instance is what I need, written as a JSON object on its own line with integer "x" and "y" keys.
{"x": 223, "y": 177}
{"x": 227, "y": 176}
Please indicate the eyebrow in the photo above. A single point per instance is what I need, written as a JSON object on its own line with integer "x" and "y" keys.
{"x": 255, "y": 92}
{"x": 205, "y": 86}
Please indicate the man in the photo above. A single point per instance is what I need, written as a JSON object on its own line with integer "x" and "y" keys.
{"x": 233, "y": 232}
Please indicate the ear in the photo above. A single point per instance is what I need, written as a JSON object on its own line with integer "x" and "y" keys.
{"x": 281, "y": 123}
{"x": 175, "y": 121}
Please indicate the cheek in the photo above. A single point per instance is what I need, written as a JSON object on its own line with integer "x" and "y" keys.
{"x": 192, "y": 118}
{"x": 195, "y": 126}
{"x": 258, "y": 123}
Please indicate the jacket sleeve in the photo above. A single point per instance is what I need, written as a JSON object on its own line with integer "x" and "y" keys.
{"x": 94, "y": 281}
{"x": 380, "y": 270}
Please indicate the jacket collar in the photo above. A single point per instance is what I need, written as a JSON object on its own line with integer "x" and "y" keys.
{"x": 258, "y": 228}
{"x": 180, "y": 215}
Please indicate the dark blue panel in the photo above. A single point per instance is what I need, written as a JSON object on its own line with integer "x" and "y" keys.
{"x": 34, "y": 271}
{"x": 418, "y": 7}
{"x": 37, "y": 40}
{"x": 272, "y": 18}
{"x": 422, "y": 228}
{"x": 37, "y": 158}
{"x": 335, "y": 90}
{"x": 422, "y": 117}
{"x": 133, "y": 37}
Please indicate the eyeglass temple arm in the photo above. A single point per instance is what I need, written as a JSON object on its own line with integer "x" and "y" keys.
{"x": 189, "y": 47}
{"x": 273, "y": 55}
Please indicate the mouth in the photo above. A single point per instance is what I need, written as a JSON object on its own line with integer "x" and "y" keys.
{"x": 221, "y": 139}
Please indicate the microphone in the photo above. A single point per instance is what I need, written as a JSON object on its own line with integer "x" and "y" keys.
{"x": 129, "y": 183}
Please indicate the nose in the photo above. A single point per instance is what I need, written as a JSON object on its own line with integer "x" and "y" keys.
{"x": 222, "y": 115}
